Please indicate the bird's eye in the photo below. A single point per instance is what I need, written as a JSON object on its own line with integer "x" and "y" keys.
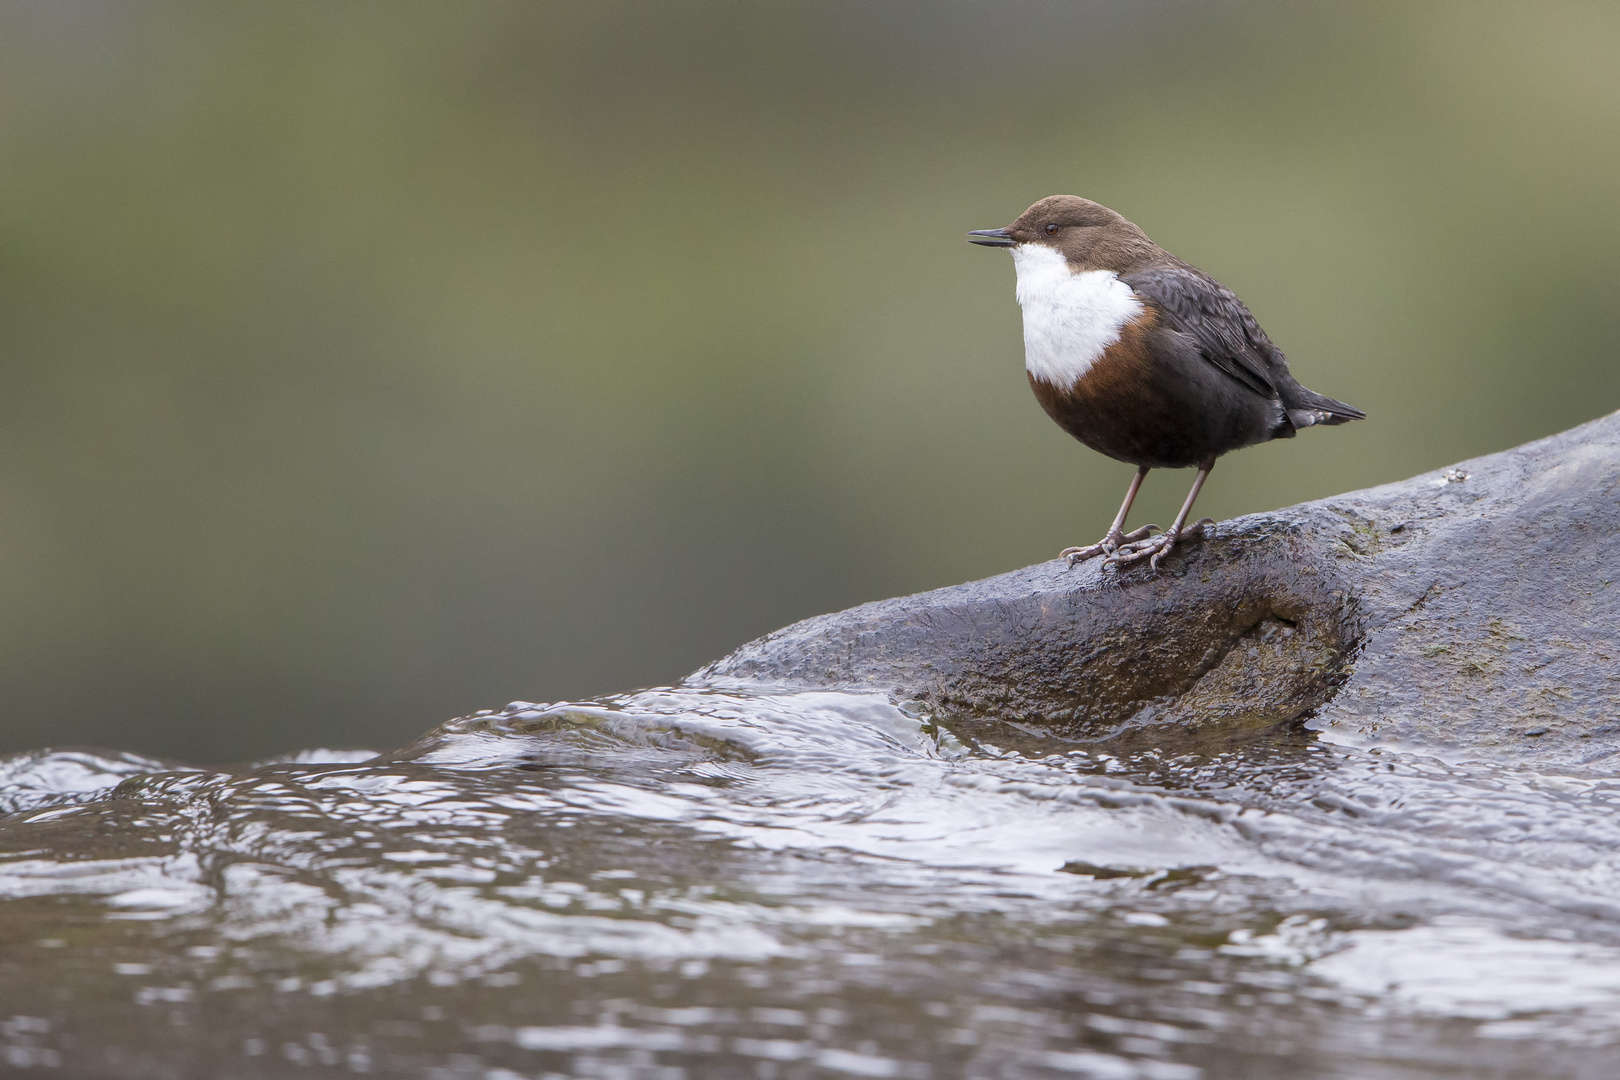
{"x": 1051, "y": 230}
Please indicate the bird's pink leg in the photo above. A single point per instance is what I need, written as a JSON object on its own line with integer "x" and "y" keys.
{"x": 1159, "y": 546}
{"x": 1114, "y": 537}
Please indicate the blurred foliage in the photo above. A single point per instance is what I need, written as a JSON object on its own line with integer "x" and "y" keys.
{"x": 366, "y": 364}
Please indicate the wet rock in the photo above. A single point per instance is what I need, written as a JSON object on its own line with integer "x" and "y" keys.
{"x": 1468, "y": 612}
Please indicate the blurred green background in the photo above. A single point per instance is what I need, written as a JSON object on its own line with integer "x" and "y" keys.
{"x": 367, "y": 364}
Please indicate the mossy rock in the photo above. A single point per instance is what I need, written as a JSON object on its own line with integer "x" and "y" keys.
{"x": 1467, "y": 612}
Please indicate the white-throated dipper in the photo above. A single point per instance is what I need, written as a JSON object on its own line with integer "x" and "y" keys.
{"x": 1144, "y": 358}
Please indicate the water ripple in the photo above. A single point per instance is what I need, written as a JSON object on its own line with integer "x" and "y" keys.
{"x": 731, "y": 880}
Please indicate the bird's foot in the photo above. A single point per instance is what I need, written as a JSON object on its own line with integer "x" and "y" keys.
{"x": 1108, "y": 545}
{"x": 1157, "y": 547}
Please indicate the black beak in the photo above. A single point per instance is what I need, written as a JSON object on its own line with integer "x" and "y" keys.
{"x": 991, "y": 237}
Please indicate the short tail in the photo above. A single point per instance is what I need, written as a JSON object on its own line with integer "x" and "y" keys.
{"x": 1311, "y": 408}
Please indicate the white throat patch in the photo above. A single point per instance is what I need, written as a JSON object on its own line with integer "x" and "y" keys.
{"x": 1069, "y": 318}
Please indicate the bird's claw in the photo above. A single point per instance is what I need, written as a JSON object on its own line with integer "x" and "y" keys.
{"x": 1156, "y": 548}
{"x": 1108, "y": 545}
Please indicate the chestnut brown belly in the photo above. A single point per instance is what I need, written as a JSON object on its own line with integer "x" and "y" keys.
{"x": 1151, "y": 399}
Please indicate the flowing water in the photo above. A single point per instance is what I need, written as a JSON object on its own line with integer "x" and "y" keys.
{"x": 713, "y": 883}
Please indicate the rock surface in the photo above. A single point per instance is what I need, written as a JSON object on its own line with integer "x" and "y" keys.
{"x": 1470, "y": 612}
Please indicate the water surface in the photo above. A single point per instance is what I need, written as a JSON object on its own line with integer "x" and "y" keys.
{"x": 697, "y": 883}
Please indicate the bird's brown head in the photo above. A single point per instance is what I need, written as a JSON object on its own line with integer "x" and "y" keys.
{"x": 1089, "y": 235}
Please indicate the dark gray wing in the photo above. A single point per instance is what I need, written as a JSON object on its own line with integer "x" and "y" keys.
{"x": 1213, "y": 316}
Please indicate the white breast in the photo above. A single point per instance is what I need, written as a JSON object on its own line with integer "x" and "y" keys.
{"x": 1069, "y": 318}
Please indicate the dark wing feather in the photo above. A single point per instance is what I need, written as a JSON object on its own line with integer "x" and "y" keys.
{"x": 1213, "y": 316}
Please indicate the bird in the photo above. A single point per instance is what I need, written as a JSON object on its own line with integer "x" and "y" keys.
{"x": 1144, "y": 358}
